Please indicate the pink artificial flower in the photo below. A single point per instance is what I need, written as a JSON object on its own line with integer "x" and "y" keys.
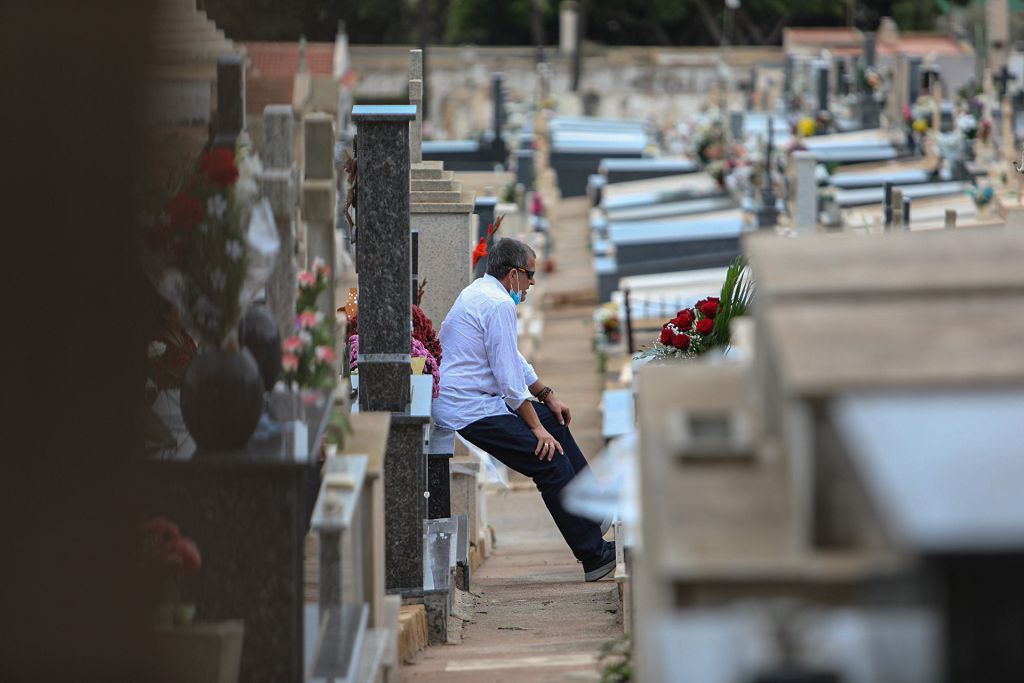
{"x": 291, "y": 345}
{"x": 325, "y": 354}
{"x": 306, "y": 279}
{"x": 289, "y": 362}
{"x": 307, "y": 319}
{"x": 320, "y": 268}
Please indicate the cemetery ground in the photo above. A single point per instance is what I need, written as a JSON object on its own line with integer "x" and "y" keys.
{"x": 534, "y": 618}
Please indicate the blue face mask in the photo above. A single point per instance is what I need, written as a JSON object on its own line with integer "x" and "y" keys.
{"x": 515, "y": 293}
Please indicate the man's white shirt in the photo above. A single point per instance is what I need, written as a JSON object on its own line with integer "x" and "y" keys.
{"x": 482, "y": 372}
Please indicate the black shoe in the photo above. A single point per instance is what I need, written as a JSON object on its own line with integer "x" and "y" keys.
{"x": 603, "y": 567}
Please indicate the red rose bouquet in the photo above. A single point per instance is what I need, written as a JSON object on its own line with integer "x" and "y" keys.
{"x": 210, "y": 248}
{"x": 697, "y": 330}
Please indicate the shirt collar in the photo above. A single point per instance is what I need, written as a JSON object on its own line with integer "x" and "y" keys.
{"x": 490, "y": 279}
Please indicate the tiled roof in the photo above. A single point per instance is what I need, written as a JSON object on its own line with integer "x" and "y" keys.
{"x": 271, "y": 60}
{"x": 824, "y": 35}
{"x": 922, "y": 44}
{"x": 272, "y": 66}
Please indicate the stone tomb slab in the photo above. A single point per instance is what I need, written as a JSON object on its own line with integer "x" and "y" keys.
{"x": 984, "y": 260}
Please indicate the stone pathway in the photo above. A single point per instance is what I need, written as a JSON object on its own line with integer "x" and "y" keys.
{"x": 535, "y": 619}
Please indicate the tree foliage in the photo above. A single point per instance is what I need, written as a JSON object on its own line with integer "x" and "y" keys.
{"x": 510, "y": 22}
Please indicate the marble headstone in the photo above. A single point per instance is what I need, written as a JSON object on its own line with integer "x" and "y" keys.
{"x": 278, "y": 184}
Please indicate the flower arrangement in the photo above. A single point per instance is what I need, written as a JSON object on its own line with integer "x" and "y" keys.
{"x": 606, "y": 320}
{"x": 308, "y": 359}
{"x": 418, "y": 351}
{"x": 967, "y": 124}
{"x": 806, "y": 127}
{"x": 695, "y": 331}
{"x": 870, "y": 82}
{"x": 425, "y": 344}
{"x": 481, "y": 247}
{"x": 708, "y": 138}
{"x": 168, "y": 557}
{"x": 169, "y": 353}
{"x": 212, "y": 246}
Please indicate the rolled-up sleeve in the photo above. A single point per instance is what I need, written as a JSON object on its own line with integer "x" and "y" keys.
{"x": 529, "y": 374}
{"x": 503, "y": 355}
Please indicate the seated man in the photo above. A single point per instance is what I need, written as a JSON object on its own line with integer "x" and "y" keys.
{"x": 485, "y": 390}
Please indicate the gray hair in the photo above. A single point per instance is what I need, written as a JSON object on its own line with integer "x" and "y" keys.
{"x": 507, "y": 254}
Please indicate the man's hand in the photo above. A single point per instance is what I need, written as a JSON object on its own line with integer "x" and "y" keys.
{"x": 546, "y": 444}
{"x": 560, "y": 410}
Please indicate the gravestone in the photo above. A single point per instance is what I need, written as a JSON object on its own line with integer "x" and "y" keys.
{"x": 887, "y": 204}
{"x": 441, "y": 215}
{"x": 416, "y": 99}
{"x": 498, "y": 151}
{"x": 842, "y": 84}
{"x": 384, "y": 331}
{"x": 278, "y": 184}
{"x": 736, "y": 126}
{"x": 806, "y": 192}
{"x": 913, "y": 79}
{"x": 869, "y": 107}
{"x": 524, "y": 167}
{"x": 787, "y": 78}
{"x": 319, "y": 197}
{"x": 767, "y": 215}
{"x": 821, "y": 84}
{"x": 230, "y": 100}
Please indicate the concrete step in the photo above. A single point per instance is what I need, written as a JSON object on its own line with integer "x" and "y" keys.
{"x": 412, "y": 631}
{"x": 436, "y": 185}
{"x": 451, "y": 197}
{"x": 431, "y": 173}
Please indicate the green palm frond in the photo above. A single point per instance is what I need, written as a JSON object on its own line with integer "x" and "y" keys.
{"x": 737, "y": 293}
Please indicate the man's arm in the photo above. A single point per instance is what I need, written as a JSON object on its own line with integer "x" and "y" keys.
{"x": 552, "y": 402}
{"x": 546, "y": 444}
{"x": 506, "y": 365}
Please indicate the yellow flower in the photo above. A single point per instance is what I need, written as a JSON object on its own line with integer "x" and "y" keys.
{"x": 919, "y": 125}
{"x": 806, "y": 127}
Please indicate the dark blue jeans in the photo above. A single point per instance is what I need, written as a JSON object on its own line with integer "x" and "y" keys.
{"x": 507, "y": 438}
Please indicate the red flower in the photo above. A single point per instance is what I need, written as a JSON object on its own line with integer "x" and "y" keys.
{"x": 666, "y": 335}
{"x": 708, "y": 307}
{"x": 681, "y": 341}
{"x": 219, "y": 167}
{"x": 705, "y": 326}
{"x": 684, "y": 319}
{"x": 480, "y": 251}
{"x": 186, "y": 211}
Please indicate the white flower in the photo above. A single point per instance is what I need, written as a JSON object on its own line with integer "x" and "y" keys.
{"x": 216, "y": 206}
{"x": 246, "y": 191}
{"x": 966, "y": 122}
{"x": 219, "y": 280}
{"x": 305, "y": 337}
{"x": 155, "y": 349}
{"x": 821, "y": 173}
{"x": 234, "y": 250}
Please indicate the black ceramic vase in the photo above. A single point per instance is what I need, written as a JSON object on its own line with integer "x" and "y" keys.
{"x": 222, "y": 398}
{"x": 258, "y": 332}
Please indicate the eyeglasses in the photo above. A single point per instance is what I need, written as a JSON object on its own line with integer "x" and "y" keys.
{"x": 529, "y": 273}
